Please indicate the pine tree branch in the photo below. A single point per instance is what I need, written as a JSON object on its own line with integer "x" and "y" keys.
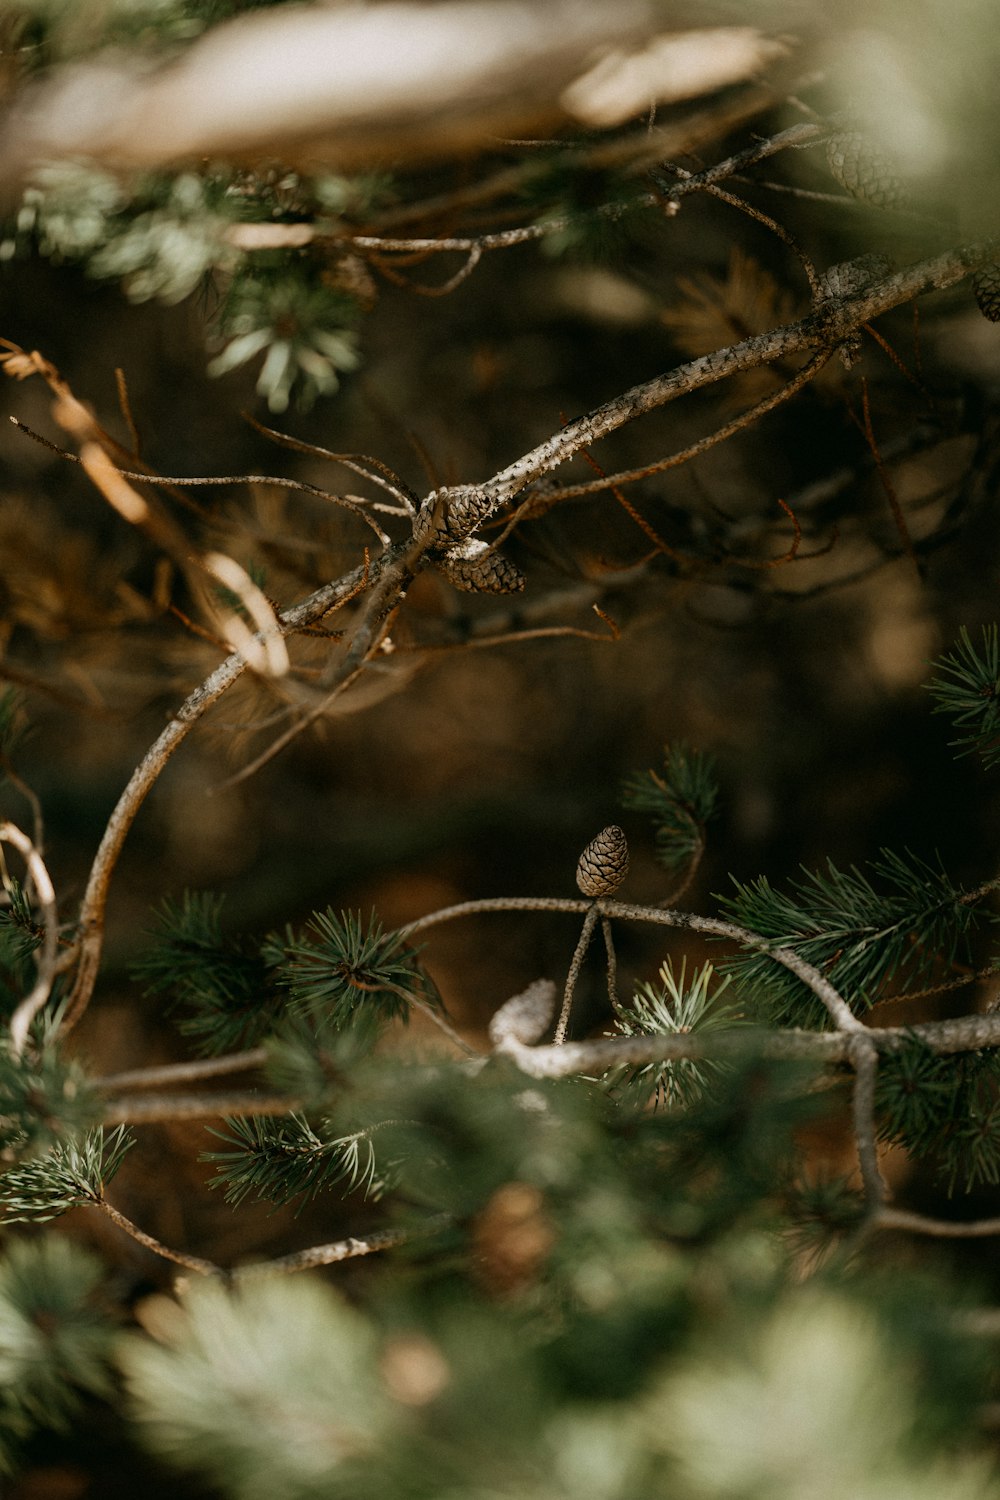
{"x": 825, "y": 328}
{"x": 824, "y": 1048}
{"x": 182, "y": 1072}
{"x": 694, "y": 450}
{"x": 147, "y": 1109}
{"x": 253, "y": 237}
{"x": 954, "y": 1229}
{"x": 810, "y": 976}
{"x": 348, "y": 1249}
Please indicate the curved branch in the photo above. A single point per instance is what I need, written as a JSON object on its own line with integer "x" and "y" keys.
{"x": 32, "y": 1003}
{"x": 821, "y": 987}
{"x": 90, "y": 937}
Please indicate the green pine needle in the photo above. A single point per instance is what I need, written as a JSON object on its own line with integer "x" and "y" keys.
{"x": 675, "y": 1007}
{"x": 44, "y": 1099}
{"x": 73, "y": 1173}
{"x": 55, "y": 1339}
{"x": 681, "y": 800}
{"x": 342, "y": 969}
{"x": 967, "y": 689}
{"x": 222, "y": 987}
{"x": 285, "y": 1158}
{"x": 906, "y": 921}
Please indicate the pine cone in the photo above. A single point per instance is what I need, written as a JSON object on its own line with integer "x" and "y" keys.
{"x": 474, "y": 567}
{"x": 604, "y": 863}
{"x": 986, "y": 285}
{"x": 865, "y": 171}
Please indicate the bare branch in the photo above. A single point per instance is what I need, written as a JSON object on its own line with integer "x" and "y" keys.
{"x": 576, "y": 964}
{"x": 810, "y": 976}
{"x": 179, "y": 1257}
{"x": 349, "y": 1249}
{"x": 825, "y": 328}
{"x": 864, "y": 1056}
{"x": 41, "y": 884}
{"x": 149, "y": 1109}
{"x": 183, "y": 1072}
{"x": 953, "y": 1229}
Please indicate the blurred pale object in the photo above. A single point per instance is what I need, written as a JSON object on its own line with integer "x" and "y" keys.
{"x": 667, "y": 70}
{"x": 340, "y": 83}
{"x": 920, "y": 78}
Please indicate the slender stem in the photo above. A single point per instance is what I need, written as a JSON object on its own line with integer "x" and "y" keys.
{"x": 609, "y": 946}
{"x": 443, "y": 1024}
{"x": 182, "y": 1072}
{"x": 864, "y": 1056}
{"x": 32, "y": 1003}
{"x": 145, "y": 1109}
{"x": 576, "y": 964}
{"x": 91, "y": 922}
{"x": 191, "y": 1262}
{"x": 347, "y": 1249}
{"x": 694, "y": 450}
{"x": 955, "y": 1229}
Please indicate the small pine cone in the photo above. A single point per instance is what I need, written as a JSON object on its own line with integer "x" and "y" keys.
{"x": 474, "y": 567}
{"x": 604, "y": 863}
{"x": 865, "y": 171}
{"x": 986, "y": 285}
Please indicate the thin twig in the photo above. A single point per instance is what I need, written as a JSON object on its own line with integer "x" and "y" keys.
{"x": 149, "y": 1109}
{"x": 348, "y": 1249}
{"x": 864, "y": 1055}
{"x": 954, "y": 1229}
{"x": 694, "y": 450}
{"x": 125, "y": 407}
{"x": 33, "y": 800}
{"x": 91, "y": 922}
{"x": 183, "y": 1072}
{"x": 191, "y": 1262}
{"x": 441, "y": 1022}
{"x": 609, "y": 948}
{"x": 41, "y": 883}
{"x": 362, "y": 464}
{"x": 576, "y": 964}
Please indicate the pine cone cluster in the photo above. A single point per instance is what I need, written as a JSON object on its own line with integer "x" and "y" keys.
{"x": 865, "y": 171}
{"x": 604, "y": 863}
